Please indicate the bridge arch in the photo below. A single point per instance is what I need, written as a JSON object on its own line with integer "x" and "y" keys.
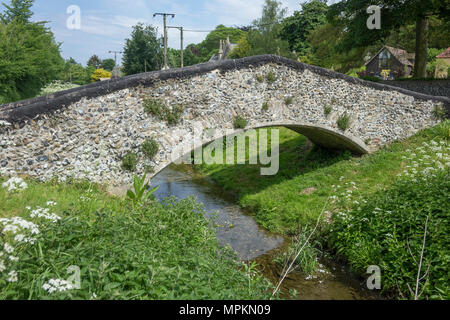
{"x": 85, "y": 132}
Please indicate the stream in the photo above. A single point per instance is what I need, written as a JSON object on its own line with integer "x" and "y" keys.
{"x": 237, "y": 228}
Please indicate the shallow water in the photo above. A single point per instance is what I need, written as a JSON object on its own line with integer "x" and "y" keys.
{"x": 251, "y": 242}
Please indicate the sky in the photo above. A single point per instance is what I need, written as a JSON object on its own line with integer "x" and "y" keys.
{"x": 106, "y": 24}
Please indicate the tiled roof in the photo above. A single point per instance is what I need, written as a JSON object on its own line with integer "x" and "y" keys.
{"x": 445, "y": 54}
{"x": 403, "y": 56}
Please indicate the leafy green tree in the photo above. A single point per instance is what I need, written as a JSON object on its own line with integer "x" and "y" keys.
{"x": 29, "y": 55}
{"x": 190, "y": 58}
{"x": 324, "y": 50}
{"x": 297, "y": 27}
{"x": 265, "y": 38}
{"x": 142, "y": 51}
{"x": 210, "y": 45}
{"x": 95, "y": 62}
{"x": 395, "y": 14}
{"x": 75, "y": 73}
{"x": 18, "y": 10}
{"x": 108, "y": 64}
{"x": 242, "y": 50}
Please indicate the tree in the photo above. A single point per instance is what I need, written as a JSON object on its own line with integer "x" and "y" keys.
{"x": 29, "y": 55}
{"x": 95, "y": 62}
{"x": 143, "y": 51}
{"x": 242, "y": 50}
{"x": 108, "y": 64}
{"x": 19, "y": 11}
{"x": 210, "y": 46}
{"x": 265, "y": 38}
{"x": 295, "y": 29}
{"x": 395, "y": 14}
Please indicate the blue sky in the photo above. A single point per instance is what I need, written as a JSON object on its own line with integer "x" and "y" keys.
{"x": 105, "y": 24}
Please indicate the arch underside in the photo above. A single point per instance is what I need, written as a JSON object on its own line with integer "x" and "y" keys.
{"x": 327, "y": 138}
{"x": 317, "y": 134}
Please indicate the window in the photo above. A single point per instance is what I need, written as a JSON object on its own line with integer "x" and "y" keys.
{"x": 383, "y": 59}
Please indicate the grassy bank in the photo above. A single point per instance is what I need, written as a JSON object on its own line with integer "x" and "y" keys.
{"x": 377, "y": 204}
{"x": 123, "y": 251}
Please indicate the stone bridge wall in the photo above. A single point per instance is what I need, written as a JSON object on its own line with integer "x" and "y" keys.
{"x": 430, "y": 87}
{"x": 84, "y": 133}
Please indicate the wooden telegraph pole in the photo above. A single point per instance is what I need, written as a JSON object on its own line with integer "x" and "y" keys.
{"x": 181, "y": 33}
{"x": 165, "y": 35}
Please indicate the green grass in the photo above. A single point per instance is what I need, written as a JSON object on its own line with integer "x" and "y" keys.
{"x": 157, "y": 251}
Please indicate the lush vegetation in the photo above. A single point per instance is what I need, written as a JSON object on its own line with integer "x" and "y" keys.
{"x": 29, "y": 55}
{"x": 387, "y": 183}
{"x": 154, "y": 250}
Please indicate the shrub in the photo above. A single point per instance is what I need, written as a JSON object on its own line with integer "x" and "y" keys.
{"x": 150, "y": 148}
{"x": 344, "y": 122}
{"x": 240, "y": 122}
{"x": 259, "y": 78}
{"x": 130, "y": 161}
{"x": 265, "y": 106}
{"x": 100, "y": 73}
{"x": 270, "y": 77}
{"x": 327, "y": 110}
{"x": 288, "y": 101}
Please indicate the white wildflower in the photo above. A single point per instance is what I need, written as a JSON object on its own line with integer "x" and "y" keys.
{"x": 15, "y": 184}
{"x": 12, "y": 276}
{"x": 59, "y": 285}
{"x": 8, "y": 248}
{"x": 44, "y": 213}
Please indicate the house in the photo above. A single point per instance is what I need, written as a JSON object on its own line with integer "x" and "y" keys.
{"x": 398, "y": 62}
{"x": 442, "y": 68}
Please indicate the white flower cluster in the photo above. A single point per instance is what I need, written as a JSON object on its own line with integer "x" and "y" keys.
{"x": 57, "y": 285}
{"x": 15, "y": 184}
{"x": 44, "y": 213}
{"x": 18, "y": 231}
{"x": 427, "y": 160}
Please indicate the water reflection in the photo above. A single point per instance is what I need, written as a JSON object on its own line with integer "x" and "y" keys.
{"x": 235, "y": 227}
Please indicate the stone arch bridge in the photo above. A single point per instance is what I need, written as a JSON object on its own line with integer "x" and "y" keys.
{"x": 84, "y": 132}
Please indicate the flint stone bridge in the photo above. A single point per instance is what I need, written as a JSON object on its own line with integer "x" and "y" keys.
{"x": 84, "y": 132}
